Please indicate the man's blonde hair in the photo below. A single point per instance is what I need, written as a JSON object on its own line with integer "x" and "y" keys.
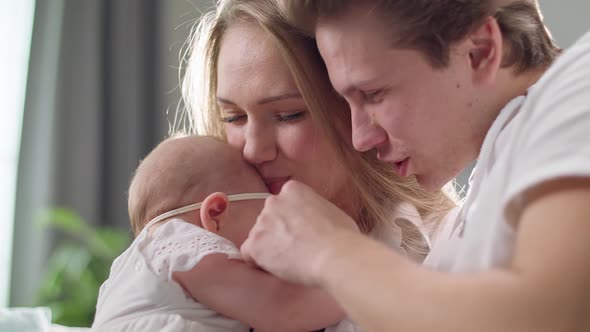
{"x": 431, "y": 27}
{"x": 378, "y": 190}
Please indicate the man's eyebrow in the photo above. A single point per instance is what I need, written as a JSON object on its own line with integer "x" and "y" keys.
{"x": 355, "y": 86}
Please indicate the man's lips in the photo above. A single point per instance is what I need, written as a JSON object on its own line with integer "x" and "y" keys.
{"x": 400, "y": 164}
{"x": 275, "y": 184}
{"x": 401, "y": 167}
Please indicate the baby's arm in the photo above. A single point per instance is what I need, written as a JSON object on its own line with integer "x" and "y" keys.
{"x": 257, "y": 298}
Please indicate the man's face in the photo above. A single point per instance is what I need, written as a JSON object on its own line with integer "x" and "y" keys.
{"x": 419, "y": 119}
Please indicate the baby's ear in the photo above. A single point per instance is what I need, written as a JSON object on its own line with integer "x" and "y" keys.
{"x": 213, "y": 211}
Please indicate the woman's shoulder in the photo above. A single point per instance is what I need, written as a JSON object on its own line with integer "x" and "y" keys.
{"x": 405, "y": 223}
{"x": 408, "y": 215}
{"x": 411, "y": 234}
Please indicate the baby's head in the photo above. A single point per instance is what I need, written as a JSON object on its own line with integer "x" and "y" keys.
{"x": 186, "y": 170}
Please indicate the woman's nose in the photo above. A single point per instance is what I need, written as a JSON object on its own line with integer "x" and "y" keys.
{"x": 260, "y": 145}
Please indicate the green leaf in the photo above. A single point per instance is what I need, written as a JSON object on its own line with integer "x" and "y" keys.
{"x": 65, "y": 220}
{"x": 77, "y": 267}
{"x": 109, "y": 243}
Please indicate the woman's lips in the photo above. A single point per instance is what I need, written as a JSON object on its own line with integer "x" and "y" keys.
{"x": 274, "y": 185}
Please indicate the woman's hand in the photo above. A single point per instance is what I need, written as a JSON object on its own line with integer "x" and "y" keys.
{"x": 296, "y": 232}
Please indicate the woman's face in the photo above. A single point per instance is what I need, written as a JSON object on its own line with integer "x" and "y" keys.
{"x": 266, "y": 117}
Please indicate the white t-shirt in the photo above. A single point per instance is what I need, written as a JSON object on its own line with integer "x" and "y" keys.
{"x": 140, "y": 294}
{"x": 539, "y": 137}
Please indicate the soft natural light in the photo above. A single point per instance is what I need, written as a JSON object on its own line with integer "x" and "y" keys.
{"x": 16, "y": 20}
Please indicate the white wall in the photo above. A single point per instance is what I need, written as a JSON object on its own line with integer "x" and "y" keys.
{"x": 567, "y": 19}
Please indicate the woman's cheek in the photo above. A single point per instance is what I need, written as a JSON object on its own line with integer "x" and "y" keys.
{"x": 301, "y": 141}
{"x": 234, "y": 137}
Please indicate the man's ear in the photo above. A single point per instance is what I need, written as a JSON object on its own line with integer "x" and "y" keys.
{"x": 213, "y": 211}
{"x": 485, "y": 51}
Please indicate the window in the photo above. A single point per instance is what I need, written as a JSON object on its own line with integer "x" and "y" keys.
{"x": 16, "y": 20}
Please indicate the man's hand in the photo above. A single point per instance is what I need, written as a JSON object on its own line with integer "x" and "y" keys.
{"x": 295, "y": 232}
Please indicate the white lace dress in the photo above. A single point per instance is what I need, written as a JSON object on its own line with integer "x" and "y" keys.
{"x": 140, "y": 294}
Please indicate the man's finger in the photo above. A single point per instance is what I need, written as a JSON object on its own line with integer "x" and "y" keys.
{"x": 245, "y": 250}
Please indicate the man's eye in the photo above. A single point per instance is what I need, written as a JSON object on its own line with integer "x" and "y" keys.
{"x": 373, "y": 96}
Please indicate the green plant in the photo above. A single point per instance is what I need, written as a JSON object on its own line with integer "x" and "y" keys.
{"x": 78, "y": 265}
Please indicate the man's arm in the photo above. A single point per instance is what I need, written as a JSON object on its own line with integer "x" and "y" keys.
{"x": 256, "y": 298}
{"x": 547, "y": 287}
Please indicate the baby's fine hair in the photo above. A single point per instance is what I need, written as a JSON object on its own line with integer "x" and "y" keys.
{"x": 175, "y": 173}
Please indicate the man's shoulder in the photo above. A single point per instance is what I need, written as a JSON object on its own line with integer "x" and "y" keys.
{"x": 566, "y": 81}
{"x": 584, "y": 40}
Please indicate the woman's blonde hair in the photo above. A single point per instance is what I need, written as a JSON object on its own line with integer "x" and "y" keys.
{"x": 380, "y": 191}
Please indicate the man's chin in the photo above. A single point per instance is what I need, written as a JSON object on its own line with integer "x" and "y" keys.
{"x": 430, "y": 183}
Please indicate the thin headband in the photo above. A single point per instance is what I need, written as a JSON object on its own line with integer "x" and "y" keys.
{"x": 196, "y": 206}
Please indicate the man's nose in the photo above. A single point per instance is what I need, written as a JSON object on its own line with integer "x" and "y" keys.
{"x": 366, "y": 134}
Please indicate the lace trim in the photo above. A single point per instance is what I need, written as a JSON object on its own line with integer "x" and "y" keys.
{"x": 179, "y": 246}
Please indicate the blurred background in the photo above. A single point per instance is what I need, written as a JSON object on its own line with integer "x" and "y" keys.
{"x": 87, "y": 88}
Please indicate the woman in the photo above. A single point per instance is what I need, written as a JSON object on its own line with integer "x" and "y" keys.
{"x": 266, "y": 91}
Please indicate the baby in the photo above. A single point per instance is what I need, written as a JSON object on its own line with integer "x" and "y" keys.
{"x": 183, "y": 270}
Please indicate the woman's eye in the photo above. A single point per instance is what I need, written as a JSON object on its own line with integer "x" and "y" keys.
{"x": 233, "y": 118}
{"x": 290, "y": 117}
{"x": 373, "y": 96}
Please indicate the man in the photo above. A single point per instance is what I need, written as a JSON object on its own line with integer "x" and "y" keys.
{"x": 433, "y": 86}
